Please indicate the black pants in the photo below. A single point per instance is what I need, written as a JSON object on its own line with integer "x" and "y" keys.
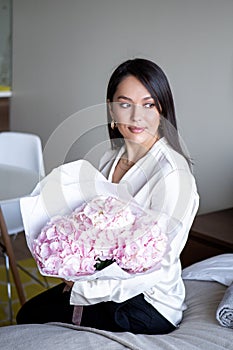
{"x": 134, "y": 315}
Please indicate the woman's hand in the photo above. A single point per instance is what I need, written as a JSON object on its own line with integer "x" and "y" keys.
{"x": 69, "y": 283}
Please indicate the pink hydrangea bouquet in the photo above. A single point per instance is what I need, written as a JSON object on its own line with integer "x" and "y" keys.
{"x": 102, "y": 231}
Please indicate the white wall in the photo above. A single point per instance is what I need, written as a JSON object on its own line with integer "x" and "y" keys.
{"x": 65, "y": 51}
{"x": 5, "y": 42}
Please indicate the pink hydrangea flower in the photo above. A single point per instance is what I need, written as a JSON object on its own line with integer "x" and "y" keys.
{"x": 106, "y": 228}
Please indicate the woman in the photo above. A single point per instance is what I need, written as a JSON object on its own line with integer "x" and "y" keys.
{"x": 146, "y": 154}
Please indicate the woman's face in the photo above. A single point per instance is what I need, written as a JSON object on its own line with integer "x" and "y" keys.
{"x": 134, "y": 111}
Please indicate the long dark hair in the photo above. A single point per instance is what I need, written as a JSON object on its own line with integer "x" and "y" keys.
{"x": 156, "y": 82}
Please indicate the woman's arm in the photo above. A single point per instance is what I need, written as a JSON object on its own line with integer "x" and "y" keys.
{"x": 177, "y": 196}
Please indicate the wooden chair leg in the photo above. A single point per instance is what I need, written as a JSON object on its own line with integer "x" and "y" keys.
{"x": 13, "y": 265}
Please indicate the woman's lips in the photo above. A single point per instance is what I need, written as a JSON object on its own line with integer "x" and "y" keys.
{"x": 136, "y": 130}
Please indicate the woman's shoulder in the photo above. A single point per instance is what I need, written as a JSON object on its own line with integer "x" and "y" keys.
{"x": 108, "y": 157}
{"x": 173, "y": 159}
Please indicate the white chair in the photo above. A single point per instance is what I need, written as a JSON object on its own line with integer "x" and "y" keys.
{"x": 25, "y": 151}
{"x": 21, "y": 150}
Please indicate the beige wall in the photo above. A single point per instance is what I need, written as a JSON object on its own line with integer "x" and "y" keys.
{"x": 64, "y": 52}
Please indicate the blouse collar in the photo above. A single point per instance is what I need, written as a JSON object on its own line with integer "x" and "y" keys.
{"x": 153, "y": 150}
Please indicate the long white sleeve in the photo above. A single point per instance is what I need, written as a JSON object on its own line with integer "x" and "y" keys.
{"x": 180, "y": 204}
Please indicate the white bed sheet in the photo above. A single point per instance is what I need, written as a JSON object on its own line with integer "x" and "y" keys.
{"x": 199, "y": 330}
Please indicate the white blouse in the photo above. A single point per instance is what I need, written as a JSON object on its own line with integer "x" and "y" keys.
{"x": 163, "y": 182}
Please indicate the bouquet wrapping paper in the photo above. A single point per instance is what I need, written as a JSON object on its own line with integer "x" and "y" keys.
{"x": 75, "y": 219}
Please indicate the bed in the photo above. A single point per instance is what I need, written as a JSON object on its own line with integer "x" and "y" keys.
{"x": 206, "y": 284}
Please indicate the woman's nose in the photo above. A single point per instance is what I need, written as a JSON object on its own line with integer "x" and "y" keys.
{"x": 136, "y": 113}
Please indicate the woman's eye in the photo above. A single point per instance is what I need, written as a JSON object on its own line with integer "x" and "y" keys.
{"x": 125, "y": 105}
{"x": 149, "y": 105}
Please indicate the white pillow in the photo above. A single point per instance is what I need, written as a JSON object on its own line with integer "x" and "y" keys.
{"x": 218, "y": 268}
